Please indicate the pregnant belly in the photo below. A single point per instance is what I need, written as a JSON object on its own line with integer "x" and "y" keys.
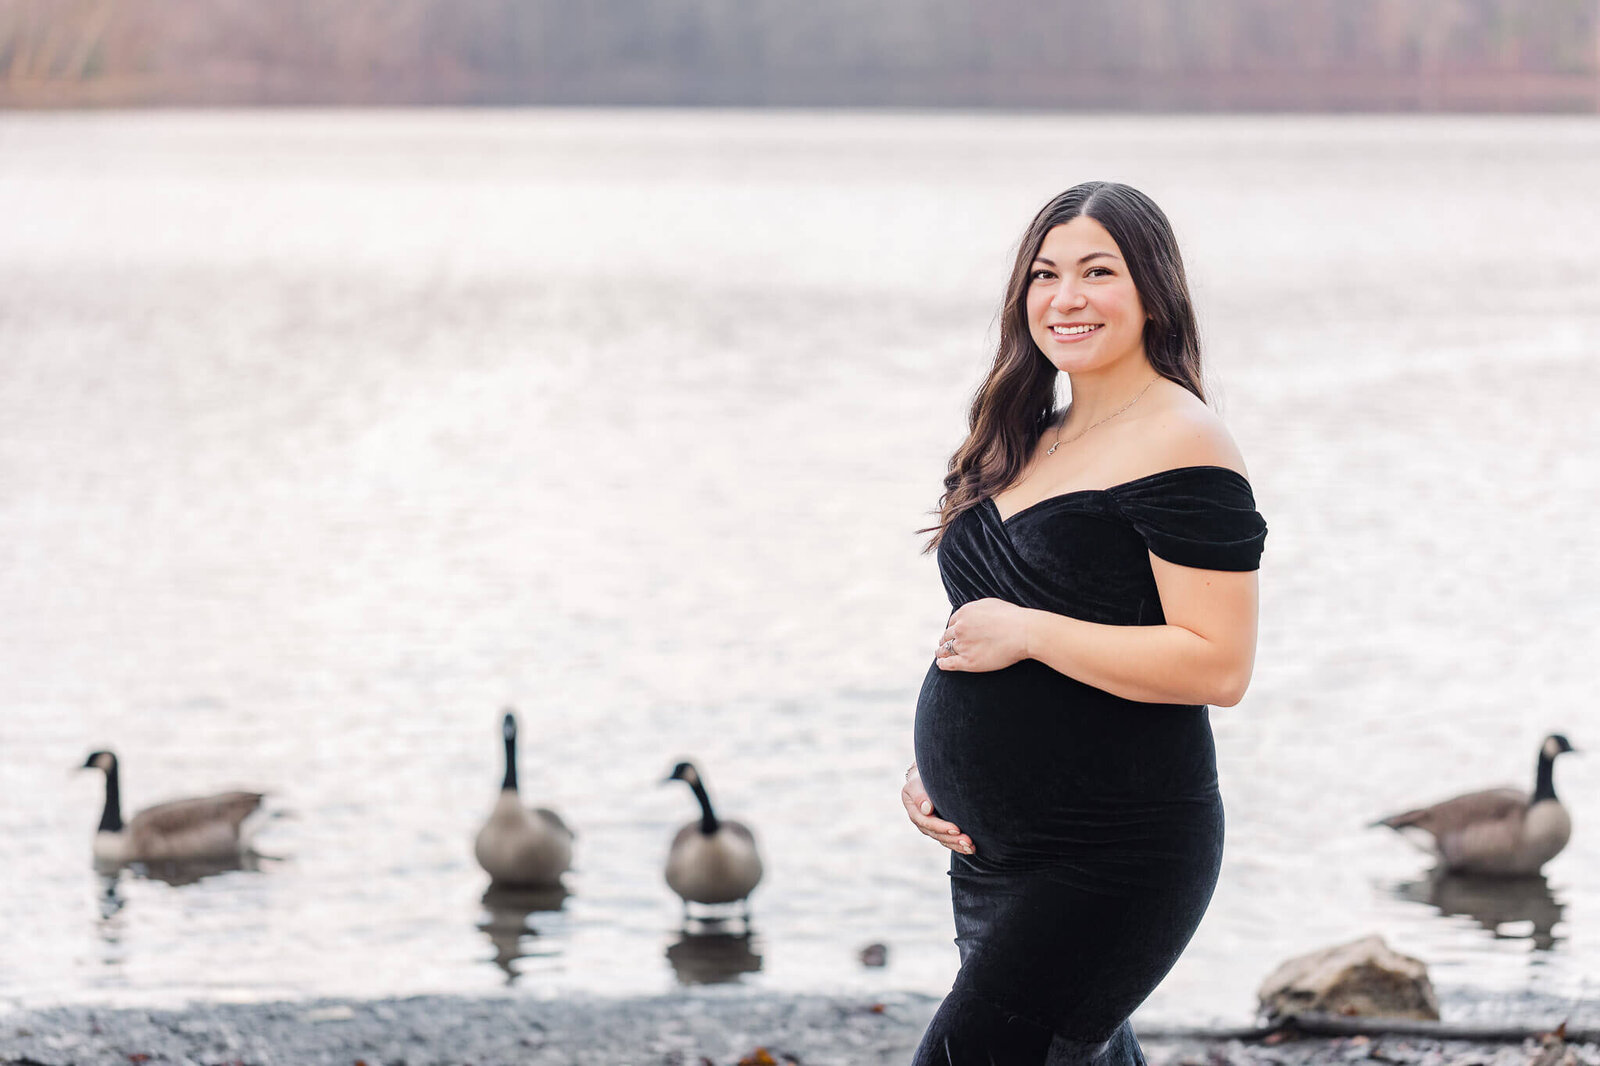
{"x": 1028, "y": 761}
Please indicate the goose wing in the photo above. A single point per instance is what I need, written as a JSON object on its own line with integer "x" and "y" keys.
{"x": 1454, "y": 815}
{"x": 205, "y": 827}
{"x": 740, "y": 830}
{"x": 553, "y": 820}
{"x": 184, "y": 815}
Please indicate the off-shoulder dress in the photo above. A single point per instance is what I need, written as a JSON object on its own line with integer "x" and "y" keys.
{"x": 1095, "y": 820}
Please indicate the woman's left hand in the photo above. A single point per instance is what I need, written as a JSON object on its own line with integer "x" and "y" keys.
{"x": 986, "y": 634}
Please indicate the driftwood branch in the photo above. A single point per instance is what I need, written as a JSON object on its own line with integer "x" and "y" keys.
{"x": 1341, "y": 1025}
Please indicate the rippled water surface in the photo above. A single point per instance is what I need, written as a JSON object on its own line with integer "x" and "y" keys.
{"x": 325, "y": 436}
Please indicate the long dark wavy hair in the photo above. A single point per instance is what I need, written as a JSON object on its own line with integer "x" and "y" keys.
{"x": 1017, "y": 401}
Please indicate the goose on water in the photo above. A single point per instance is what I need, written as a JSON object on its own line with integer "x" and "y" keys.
{"x": 185, "y": 830}
{"x": 712, "y": 860}
{"x": 1499, "y": 831}
{"x": 521, "y": 847}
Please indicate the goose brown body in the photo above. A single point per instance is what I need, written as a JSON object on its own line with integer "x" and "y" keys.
{"x": 723, "y": 867}
{"x": 523, "y": 847}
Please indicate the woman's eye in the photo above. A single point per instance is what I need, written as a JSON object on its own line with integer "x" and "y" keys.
{"x": 1097, "y": 272}
{"x": 1042, "y": 275}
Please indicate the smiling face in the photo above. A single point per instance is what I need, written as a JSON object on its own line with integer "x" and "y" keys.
{"x": 1084, "y": 312}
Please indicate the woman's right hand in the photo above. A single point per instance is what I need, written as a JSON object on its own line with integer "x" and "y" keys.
{"x": 920, "y": 810}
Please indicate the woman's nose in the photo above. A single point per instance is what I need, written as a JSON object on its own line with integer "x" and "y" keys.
{"x": 1066, "y": 297}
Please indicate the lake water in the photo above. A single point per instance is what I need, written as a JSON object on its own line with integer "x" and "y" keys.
{"x": 325, "y": 436}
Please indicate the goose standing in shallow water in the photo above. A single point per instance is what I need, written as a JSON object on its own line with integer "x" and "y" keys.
{"x": 712, "y": 860}
{"x": 186, "y": 830}
{"x": 521, "y": 847}
{"x": 1499, "y": 831}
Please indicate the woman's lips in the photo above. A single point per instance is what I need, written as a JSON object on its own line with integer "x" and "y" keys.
{"x": 1073, "y": 333}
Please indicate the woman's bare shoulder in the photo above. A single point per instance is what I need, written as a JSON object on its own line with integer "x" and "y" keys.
{"x": 1183, "y": 431}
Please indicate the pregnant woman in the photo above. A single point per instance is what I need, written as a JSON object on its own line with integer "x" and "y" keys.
{"x": 1100, "y": 562}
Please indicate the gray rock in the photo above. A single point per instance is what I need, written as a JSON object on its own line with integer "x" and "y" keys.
{"x": 1365, "y": 978}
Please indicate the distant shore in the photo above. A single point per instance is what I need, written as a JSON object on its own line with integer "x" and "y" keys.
{"x": 690, "y": 1028}
{"x": 1500, "y": 56}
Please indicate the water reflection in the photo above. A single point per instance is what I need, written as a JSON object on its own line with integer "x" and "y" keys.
{"x": 710, "y": 954}
{"x": 110, "y": 900}
{"x": 174, "y": 873}
{"x": 1495, "y": 903}
{"x": 510, "y": 927}
{"x": 190, "y": 871}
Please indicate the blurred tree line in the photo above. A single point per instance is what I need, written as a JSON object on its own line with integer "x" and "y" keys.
{"x": 1071, "y": 54}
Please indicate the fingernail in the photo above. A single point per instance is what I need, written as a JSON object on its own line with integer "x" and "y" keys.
{"x": 952, "y": 830}
{"x": 927, "y": 808}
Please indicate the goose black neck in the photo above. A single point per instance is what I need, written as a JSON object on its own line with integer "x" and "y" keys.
{"x": 1545, "y": 787}
{"x": 510, "y": 783}
{"x": 708, "y": 818}
{"x": 111, "y": 817}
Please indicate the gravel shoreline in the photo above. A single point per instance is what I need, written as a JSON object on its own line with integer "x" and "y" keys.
{"x": 682, "y": 1029}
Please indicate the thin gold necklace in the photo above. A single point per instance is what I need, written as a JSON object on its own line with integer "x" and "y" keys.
{"x": 1059, "y": 442}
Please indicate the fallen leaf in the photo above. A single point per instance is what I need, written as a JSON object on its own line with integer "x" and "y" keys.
{"x": 759, "y": 1057}
{"x": 876, "y": 1008}
{"x": 138, "y": 1056}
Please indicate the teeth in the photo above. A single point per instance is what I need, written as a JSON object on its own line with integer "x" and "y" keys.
{"x": 1067, "y": 331}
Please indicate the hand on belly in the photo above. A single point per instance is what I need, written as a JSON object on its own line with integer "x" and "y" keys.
{"x": 987, "y": 634}
{"x": 920, "y": 810}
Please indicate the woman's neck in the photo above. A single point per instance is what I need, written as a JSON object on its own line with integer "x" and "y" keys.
{"x": 1095, "y": 394}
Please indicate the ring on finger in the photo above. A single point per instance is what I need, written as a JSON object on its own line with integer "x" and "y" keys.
{"x": 948, "y": 647}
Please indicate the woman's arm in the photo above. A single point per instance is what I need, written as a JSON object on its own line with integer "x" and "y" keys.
{"x": 1203, "y": 654}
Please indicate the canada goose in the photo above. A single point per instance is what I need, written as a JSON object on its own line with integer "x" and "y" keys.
{"x": 1499, "y": 831}
{"x": 186, "y": 830}
{"x": 519, "y": 847}
{"x": 712, "y": 860}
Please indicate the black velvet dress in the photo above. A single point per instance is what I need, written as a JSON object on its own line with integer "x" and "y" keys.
{"x": 1095, "y": 820}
